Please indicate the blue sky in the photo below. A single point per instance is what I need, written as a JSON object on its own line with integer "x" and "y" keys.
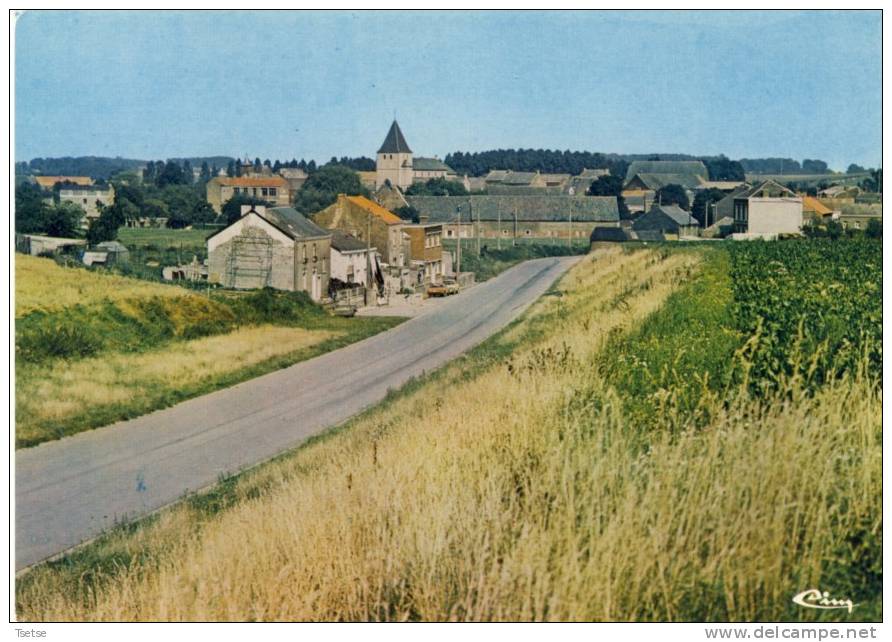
{"x": 154, "y": 85}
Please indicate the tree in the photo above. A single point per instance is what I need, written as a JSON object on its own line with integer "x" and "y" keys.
{"x": 63, "y": 220}
{"x": 187, "y": 172}
{"x": 874, "y": 229}
{"x": 105, "y": 228}
{"x": 230, "y": 169}
{"x": 205, "y": 175}
{"x": 724, "y": 169}
{"x": 810, "y": 166}
{"x": 855, "y": 169}
{"x": 437, "y": 187}
{"x": 321, "y": 189}
{"x": 611, "y": 186}
{"x": 701, "y": 200}
{"x": 232, "y": 209}
{"x": 673, "y": 194}
{"x": 30, "y": 208}
{"x": 172, "y": 174}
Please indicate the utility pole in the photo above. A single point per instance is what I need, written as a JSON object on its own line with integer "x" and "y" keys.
{"x": 458, "y": 251}
{"x": 476, "y": 227}
{"x": 514, "y": 236}
{"x": 368, "y": 257}
{"x": 499, "y": 226}
{"x": 570, "y": 230}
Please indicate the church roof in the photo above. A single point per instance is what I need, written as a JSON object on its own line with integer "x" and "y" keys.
{"x": 395, "y": 142}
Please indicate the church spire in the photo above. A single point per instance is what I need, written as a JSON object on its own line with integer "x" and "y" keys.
{"x": 395, "y": 142}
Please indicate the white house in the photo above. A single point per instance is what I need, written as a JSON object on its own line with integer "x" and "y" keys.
{"x": 767, "y": 210}
{"x": 349, "y": 258}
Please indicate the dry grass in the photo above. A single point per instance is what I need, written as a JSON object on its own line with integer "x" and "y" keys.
{"x": 42, "y": 284}
{"x": 76, "y": 387}
{"x": 514, "y": 494}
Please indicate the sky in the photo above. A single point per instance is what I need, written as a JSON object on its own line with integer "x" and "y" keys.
{"x": 282, "y": 85}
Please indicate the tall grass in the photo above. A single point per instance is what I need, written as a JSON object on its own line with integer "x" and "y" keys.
{"x": 520, "y": 491}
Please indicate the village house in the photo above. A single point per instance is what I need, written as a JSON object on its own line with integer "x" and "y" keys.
{"x": 350, "y": 258}
{"x": 273, "y": 189}
{"x": 426, "y": 251}
{"x": 273, "y": 247}
{"x": 365, "y": 219}
{"x": 669, "y": 220}
{"x": 37, "y": 244}
{"x": 767, "y": 210}
{"x": 521, "y": 216}
{"x": 89, "y": 197}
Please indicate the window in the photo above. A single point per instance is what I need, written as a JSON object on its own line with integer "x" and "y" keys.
{"x": 273, "y": 191}
{"x": 255, "y": 191}
{"x": 264, "y": 191}
{"x": 85, "y": 201}
{"x": 527, "y": 232}
{"x": 315, "y": 255}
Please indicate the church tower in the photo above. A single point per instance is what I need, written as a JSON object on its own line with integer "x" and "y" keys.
{"x": 394, "y": 161}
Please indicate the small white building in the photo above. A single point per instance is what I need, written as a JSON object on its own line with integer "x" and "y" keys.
{"x": 350, "y": 258}
{"x": 767, "y": 210}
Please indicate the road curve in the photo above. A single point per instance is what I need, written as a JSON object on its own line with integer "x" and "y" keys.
{"x": 69, "y": 491}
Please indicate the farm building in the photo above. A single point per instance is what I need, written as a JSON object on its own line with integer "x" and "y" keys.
{"x": 670, "y": 220}
{"x": 720, "y": 229}
{"x": 521, "y": 216}
{"x": 36, "y": 244}
{"x": 273, "y": 247}
{"x": 107, "y": 253}
{"x": 768, "y": 209}
{"x": 645, "y": 178}
{"x": 815, "y": 211}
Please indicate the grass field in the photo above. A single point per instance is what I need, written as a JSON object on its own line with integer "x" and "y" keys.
{"x": 96, "y": 348}
{"x": 521, "y": 482}
{"x": 41, "y": 284}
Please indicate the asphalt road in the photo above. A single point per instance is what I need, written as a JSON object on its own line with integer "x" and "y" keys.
{"x": 69, "y": 491}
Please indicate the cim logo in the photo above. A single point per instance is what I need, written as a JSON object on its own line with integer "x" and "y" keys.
{"x": 815, "y": 599}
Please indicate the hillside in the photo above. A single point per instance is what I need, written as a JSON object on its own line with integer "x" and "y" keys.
{"x": 93, "y": 348}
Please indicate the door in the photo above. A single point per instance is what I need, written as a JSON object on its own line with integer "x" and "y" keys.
{"x": 317, "y": 286}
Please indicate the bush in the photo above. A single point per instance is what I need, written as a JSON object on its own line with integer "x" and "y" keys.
{"x": 66, "y": 341}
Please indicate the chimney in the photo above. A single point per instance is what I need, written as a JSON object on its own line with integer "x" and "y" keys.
{"x": 423, "y": 218}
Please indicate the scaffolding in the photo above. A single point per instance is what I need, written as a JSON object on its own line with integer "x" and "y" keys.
{"x": 250, "y": 261}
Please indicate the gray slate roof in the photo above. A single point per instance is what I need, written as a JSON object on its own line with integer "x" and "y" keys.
{"x": 343, "y": 242}
{"x": 664, "y": 218}
{"x": 695, "y": 168}
{"x": 430, "y": 165}
{"x": 656, "y": 181}
{"x": 293, "y": 223}
{"x": 395, "y": 142}
{"x": 441, "y": 209}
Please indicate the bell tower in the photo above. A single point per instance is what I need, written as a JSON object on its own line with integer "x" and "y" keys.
{"x": 394, "y": 162}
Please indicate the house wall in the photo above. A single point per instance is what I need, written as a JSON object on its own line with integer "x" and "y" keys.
{"x": 526, "y": 229}
{"x": 251, "y": 254}
{"x": 350, "y": 267}
{"x": 312, "y": 267}
{"x": 88, "y": 200}
{"x": 217, "y": 194}
{"x": 774, "y": 216}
